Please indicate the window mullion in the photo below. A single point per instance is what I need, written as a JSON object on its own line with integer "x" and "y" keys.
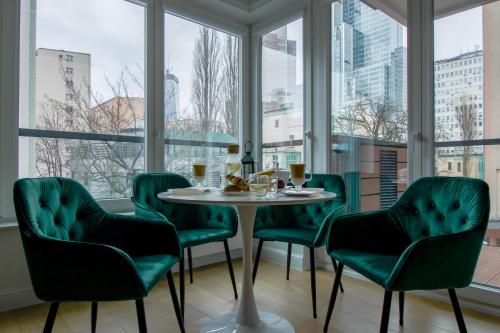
{"x": 155, "y": 117}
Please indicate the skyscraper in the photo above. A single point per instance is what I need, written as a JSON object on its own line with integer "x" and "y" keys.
{"x": 369, "y": 59}
{"x": 172, "y": 104}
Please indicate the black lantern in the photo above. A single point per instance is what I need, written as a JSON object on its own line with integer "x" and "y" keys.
{"x": 247, "y": 161}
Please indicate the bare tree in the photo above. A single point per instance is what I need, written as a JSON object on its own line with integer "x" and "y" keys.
{"x": 207, "y": 83}
{"x": 465, "y": 114}
{"x": 230, "y": 84}
{"x": 348, "y": 122}
{"x": 113, "y": 165}
{"x": 376, "y": 120}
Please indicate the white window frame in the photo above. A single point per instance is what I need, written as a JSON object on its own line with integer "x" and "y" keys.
{"x": 300, "y": 11}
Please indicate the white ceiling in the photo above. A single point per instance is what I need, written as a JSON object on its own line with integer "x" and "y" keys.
{"x": 253, "y": 11}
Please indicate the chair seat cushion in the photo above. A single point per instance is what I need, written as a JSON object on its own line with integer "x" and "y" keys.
{"x": 193, "y": 237}
{"x": 153, "y": 268}
{"x": 376, "y": 267}
{"x": 295, "y": 235}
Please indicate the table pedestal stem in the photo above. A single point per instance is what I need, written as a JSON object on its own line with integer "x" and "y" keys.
{"x": 247, "y": 312}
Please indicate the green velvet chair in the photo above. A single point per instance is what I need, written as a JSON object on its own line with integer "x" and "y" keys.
{"x": 76, "y": 251}
{"x": 307, "y": 225}
{"x": 196, "y": 224}
{"x": 429, "y": 239}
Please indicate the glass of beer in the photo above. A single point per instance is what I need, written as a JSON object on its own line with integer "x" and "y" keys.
{"x": 199, "y": 173}
{"x": 298, "y": 175}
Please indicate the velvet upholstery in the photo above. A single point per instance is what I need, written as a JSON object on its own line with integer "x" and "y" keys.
{"x": 196, "y": 224}
{"x": 303, "y": 224}
{"x": 76, "y": 251}
{"x": 429, "y": 239}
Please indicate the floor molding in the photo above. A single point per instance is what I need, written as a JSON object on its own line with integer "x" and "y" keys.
{"x": 278, "y": 256}
{"x": 17, "y": 298}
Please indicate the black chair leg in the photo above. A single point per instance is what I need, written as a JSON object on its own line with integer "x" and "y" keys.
{"x": 457, "y": 310}
{"x": 313, "y": 280}
{"x": 335, "y": 268}
{"x": 333, "y": 297}
{"x": 401, "y": 307}
{"x": 288, "y": 259}
{"x": 386, "y": 311}
{"x": 175, "y": 301}
{"x": 94, "y": 317}
{"x": 141, "y": 316}
{"x": 181, "y": 283}
{"x": 257, "y": 259}
{"x": 230, "y": 266}
{"x": 190, "y": 264}
{"x": 49, "y": 323}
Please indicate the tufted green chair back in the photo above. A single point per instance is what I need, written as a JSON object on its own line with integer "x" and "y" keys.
{"x": 435, "y": 206}
{"x": 59, "y": 208}
{"x": 310, "y": 216}
{"x": 146, "y": 188}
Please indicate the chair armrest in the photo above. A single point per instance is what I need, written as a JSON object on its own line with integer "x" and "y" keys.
{"x": 77, "y": 271}
{"x": 324, "y": 229}
{"x": 138, "y": 236}
{"x": 438, "y": 262}
{"x": 369, "y": 232}
{"x": 142, "y": 211}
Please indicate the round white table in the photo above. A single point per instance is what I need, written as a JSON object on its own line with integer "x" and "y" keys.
{"x": 248, "y": 319}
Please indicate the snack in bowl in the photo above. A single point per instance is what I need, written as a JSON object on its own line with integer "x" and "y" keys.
{"x": 231, "y": 188}
{"x": 239, "y": 182}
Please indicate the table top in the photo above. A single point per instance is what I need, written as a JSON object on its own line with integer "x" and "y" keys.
{"x": 215, "y": 197}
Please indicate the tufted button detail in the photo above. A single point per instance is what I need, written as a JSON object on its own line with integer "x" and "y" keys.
{"x": 432, "y": 205}
{"x": 440, "y": 217}
{"x": 465, "y": 220}
{"x": 456, "y": 205}
{"x": 425, "y": 232}
{"x": 415, "y": 211}
{"x": 319, "y": 210}
{"x": 219, "y": 218}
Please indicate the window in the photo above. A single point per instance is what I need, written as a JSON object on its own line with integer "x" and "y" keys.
{"x": 86, "y": 119}
{"x": 201, "y": 64}
{"x": 282, "y": 93}
{"x": 475, "y": 33}
{"x": 369, "y": 85}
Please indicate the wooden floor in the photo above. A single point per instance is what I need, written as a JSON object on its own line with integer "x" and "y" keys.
{"x": 358, "y": 310}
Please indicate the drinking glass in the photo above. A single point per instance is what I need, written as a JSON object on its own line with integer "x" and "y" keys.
{"x": 273, "y": 186}
{"x": 298, "y": 175}
{"x": 259, "y": 185}
{"x": 199, "y": 173}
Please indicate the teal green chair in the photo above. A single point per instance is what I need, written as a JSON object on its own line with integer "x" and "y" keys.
{"x": 429, "y": 239}
{"x": 196, "y": 224}
{"x": 307, "y": 225}
{"x": 76, "y": 251}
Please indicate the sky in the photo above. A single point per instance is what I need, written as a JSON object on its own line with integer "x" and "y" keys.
{"x": 112, "y": 31}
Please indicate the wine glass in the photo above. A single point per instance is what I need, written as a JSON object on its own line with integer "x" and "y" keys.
{"x": 298, "y": 175}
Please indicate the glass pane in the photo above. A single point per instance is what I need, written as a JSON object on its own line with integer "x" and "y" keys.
{"x": 81, "y": 83}
{"x": 369, "y": 104}
{"x": 282, "y": 96}
{"x": 466, "y": 70}
{"x": 105, "y": 168}
{"x": 202, "y": 100}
